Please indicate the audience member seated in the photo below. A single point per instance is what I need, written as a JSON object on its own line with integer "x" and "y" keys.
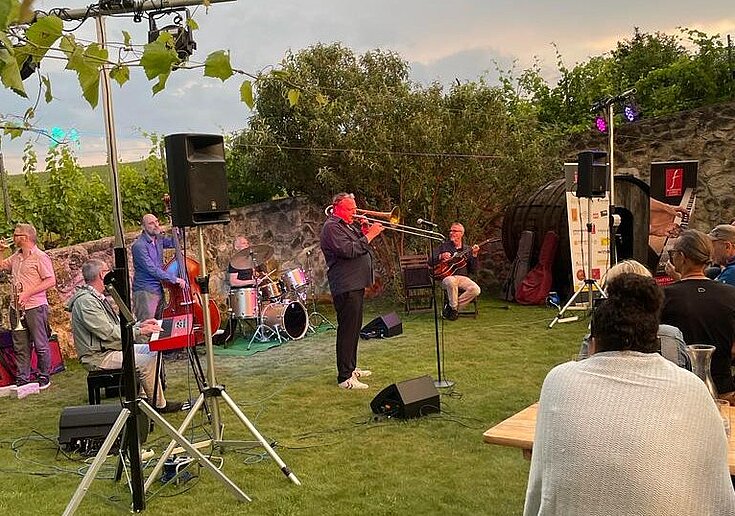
{"x": 703, "y": 309}
{"x": 723, "y": 252}
{"x": 96, "y": 329}
{"x": 627, "y": 431}
{"x": 671, "y": 340}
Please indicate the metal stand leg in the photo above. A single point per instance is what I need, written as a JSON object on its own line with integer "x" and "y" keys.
{"x": 314, "y": 312}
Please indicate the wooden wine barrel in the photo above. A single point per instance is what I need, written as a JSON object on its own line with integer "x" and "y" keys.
{"x": 545, "y": 210}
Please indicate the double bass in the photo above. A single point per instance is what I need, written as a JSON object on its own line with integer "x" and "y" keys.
{"x": 184, "y": 304}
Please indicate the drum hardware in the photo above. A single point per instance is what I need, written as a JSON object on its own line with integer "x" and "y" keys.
{"x": 262, "y": 332}
{"x": 315, "y": 314}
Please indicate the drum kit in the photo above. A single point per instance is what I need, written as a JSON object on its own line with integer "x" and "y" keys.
{"x": 275, "y": 300}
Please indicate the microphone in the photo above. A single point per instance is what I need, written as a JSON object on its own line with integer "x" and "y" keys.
{"x": 427, "y": 223}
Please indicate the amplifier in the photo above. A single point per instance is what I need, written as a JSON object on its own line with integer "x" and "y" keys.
{"x": 84, "y": 428}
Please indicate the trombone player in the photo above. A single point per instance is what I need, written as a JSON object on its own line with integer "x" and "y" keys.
{"x": 349, "y": 258}
{"x": 32, "y": 275}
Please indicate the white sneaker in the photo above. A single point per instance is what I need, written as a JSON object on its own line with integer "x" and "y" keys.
{"x": 352, "y": 383}
{"x": 361, "y": 373}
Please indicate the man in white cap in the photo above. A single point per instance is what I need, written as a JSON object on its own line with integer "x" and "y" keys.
{"x": 723, "y": 245}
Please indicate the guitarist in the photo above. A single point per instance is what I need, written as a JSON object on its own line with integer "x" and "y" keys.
{"x": 457, "y": 280}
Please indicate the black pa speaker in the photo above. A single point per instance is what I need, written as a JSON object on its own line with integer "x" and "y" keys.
{"x": 592, "y": 176}
{"x": 197, "y": 180}
{"x": 412, "y": 398}
{"x": 84, "y": 428}
{"x": 388, "y": 325}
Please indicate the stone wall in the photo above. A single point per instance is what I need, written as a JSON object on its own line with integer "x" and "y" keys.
{"x": 705, "y": 134}
{"x": 291, "y": 226}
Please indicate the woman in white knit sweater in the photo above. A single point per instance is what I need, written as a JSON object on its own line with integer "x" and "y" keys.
{"x": 627, "y": 432}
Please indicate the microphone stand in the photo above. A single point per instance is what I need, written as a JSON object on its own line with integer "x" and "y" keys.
{"x": 440, "y": 382}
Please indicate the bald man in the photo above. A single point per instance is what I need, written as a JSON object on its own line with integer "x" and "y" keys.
{"x": 149, "y": 273}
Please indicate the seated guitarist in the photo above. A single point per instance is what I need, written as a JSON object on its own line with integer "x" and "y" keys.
{"x": 457, "y": 267}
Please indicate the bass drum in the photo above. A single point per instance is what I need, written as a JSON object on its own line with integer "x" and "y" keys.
{"x": 290, "y": 318}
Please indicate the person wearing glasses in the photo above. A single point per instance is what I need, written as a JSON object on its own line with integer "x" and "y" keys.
{"x": 703, "y": 309}
{"x": 32, "y": 275}
{"x": 458, "y": 280}
{"x": 96, "y": 329}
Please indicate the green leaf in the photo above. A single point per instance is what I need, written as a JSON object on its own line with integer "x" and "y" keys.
{"x": 159, "y": 57}
{"x": 10, "y": 73}
{"x": 192, "y": 24}
{"x": 246, "y": 94}
{"x": 218, "y": 65}
{"x": 87, "y": 64}
{"x": 322, "y": 100}
{"x": 42, "y": 34}
{"x": 293, "y": 97}
{"x": 161, "y": 84}
{"x": 48, "y": 97}
{"x": 9, "y": 10}
{"x": 120, "y": 73}
{"x": 126, "y": 38}
{"x": 68, "y": 44}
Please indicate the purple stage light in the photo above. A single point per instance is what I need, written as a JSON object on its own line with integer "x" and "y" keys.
{"x": 601, "y": 124}
{"x": 630, "y": 113}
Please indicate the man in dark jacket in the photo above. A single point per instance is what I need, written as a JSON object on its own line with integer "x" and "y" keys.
{"x": 346, "y": 249}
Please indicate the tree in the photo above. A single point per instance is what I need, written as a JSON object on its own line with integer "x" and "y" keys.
{"x": 361, "y": 126}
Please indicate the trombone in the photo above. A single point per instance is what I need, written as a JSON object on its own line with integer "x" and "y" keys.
{"x": 393, "y": 217}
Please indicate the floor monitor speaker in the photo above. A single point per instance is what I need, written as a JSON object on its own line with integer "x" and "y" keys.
{"x": 412, "y": 398}
{"x": 388, "y": 325}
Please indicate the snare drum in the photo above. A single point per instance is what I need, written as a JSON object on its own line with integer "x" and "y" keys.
{"x": 290, "y": 318}
{"x": 244, "y": 303}
{"x": 295, "y": 279}
{"x": 271, "y": 291}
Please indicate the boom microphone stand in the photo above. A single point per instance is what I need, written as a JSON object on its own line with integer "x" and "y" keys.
{"x": 440, "y": 382}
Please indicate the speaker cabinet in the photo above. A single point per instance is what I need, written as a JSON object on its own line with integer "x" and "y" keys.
{"x": 84, "y": 428}
{"x": 404, "y": 400}
{"x": 388, "y": 325}
{"x": 592, "y": 175}
{"x": 197, "y": 179}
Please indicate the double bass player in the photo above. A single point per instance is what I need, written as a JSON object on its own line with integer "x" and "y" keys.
{"x": 148, "y": 270}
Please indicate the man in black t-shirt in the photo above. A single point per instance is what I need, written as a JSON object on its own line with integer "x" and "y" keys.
{"x": 704, "y": 310}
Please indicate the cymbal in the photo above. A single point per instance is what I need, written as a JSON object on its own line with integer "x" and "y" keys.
{"x": 244, "y": 259}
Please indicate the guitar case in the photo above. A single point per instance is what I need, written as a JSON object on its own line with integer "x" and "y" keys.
{"x": 519, "y": 267}
{"x": 536, "y": 285}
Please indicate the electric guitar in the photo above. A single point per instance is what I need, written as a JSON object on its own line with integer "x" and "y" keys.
{"x": 458, "y": 260}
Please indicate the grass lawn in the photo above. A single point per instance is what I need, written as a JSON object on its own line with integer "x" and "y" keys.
{"x": 348, "y": 462}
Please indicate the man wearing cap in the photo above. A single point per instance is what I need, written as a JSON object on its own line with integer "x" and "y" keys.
{"x": 723, "y": 254}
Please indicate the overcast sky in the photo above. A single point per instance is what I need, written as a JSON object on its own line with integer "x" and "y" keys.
{"x": 442, "y": 41}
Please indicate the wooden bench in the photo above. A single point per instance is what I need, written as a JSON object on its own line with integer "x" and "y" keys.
{"x": 110, "y": 380}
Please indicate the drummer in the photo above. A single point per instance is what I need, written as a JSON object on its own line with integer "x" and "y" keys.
{"x": 240, "y": 269}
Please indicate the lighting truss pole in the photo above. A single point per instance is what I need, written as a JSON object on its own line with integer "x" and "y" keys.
{"x": 99, "y": 11}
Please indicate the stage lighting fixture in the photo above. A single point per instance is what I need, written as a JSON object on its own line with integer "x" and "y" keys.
{"x": 180, "y": 30}
{"x": 601, "y": 124}
{"x": 630, "y": 113}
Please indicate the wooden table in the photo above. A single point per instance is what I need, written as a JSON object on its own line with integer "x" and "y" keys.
{"x": 518, "y": 431}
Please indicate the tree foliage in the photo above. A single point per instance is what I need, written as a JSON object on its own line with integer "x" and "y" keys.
{"x": 361, "y": 126}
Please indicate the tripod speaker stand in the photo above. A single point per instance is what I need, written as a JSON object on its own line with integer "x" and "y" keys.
{"x": 592, "y": 180}
{"x": 215, "y": 392}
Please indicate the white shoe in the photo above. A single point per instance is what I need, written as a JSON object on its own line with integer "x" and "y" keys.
{"x": 352, "y": 383}
{"x": 361, "y": 373}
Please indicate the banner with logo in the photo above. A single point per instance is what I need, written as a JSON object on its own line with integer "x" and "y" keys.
{"x": 580, "y": 212}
